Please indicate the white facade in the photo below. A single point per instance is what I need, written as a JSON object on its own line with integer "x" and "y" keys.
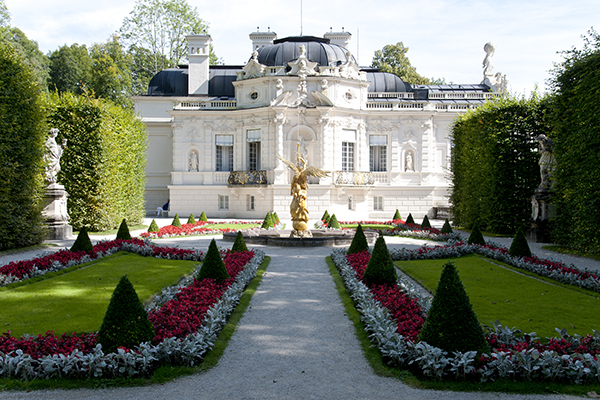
{"x": 218, "y": 153}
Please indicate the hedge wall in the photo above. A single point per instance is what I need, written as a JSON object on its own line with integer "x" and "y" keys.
{"x": 22, "y": 137}
{"x": 494, "y": 163}
{"x": 576, "y": 120}
{"x": 102, "y": 167}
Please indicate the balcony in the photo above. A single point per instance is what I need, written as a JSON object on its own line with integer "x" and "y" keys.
{"x": 247, "y": 178}
{"x": 354, "y": 178}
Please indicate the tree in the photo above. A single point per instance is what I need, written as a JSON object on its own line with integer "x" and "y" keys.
{"x": 359, "y": 241}
{"x": 4, "y": 14}
{"x": 392, "y": 58}
{"x": 380, "y": 269}
{"x": 70, "y": 69}
{"x": 213, "y": 266}
{"x": 29, "y": 51}
{"x": 111, "y": 72}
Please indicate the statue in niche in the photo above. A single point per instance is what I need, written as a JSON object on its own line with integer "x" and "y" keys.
{"x": 193, "y": 162}
{"x": 409, "y": 165}
{"x": 52, "y": 157}
{"x": 547, "y": 161}
{"x": 298, "y": 190}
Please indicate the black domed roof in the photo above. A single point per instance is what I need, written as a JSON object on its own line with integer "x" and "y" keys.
{"x": 318, "y": 50}
{"x": 174, "y": 81}
{"x": 386, "y": 82}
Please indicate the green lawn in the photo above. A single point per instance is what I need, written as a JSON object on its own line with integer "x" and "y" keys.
{"x": 525, "y": 302}
{"x": 76, "y": 301}
{"x": 369, "y": 226}
{"x": 231, "y": 226}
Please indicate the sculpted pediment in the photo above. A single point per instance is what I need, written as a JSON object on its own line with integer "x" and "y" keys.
{"x": 254, "y": 69}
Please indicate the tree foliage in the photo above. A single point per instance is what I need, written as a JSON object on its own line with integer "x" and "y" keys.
{"x": 22, "y": 135}
{"x": 392, "y": 58}
{"x": 29, "y": 51}
{"x": 519, "y": 246}
{"x": 494, "y": 163}
{"x": 380, "y": 269}
{"x": 213, "y": 266}
{"x": 239, "y": 244}
{"x": 4, "y": 14}
{"x": 123, "y": 232}
{"x": 83, "y": 242}
{"x": 111, "y": 72}
{"x": 70, "y": 69}
{"x": 359, "y": 241}
{"x": 575, "y": 111}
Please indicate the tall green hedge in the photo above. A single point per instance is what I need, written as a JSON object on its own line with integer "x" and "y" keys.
{"x": 494, "y": 163}
{"x": 575, "y": 115}
{"x": 22, "y": 136}
{"x": 104, "y": 160}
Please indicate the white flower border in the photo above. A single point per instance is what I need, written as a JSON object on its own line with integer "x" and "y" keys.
{"x": 145, "y": 358}
{"x": 435, "y": 363}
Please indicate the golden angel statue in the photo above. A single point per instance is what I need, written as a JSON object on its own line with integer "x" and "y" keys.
{"x": 298, "y": 190}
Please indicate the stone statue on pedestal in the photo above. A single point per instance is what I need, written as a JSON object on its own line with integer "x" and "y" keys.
{"x": 541, "y": 202}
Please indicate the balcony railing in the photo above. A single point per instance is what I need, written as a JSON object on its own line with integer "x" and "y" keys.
{"x": 205, "y": 105}
{"x": 353, "y": 178}
{"x": 241, "y": 178}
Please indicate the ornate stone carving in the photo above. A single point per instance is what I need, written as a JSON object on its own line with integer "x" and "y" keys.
{"x": 253, "y": 69}
{"x": 282, "y": 100}
{"x": 222, "y": 125}
{"x": 354, "y": 178}
{"x": 247, "y": 178}
{"x": 409, "y": 162}
{"x": 302, "y": 67}
{"x": 193, "y": 162}
{"x": 547, "y": 161}
{"x": 52, "y": 157}
{"x": 497, "y": 82}
{"x": 350, "y": 69}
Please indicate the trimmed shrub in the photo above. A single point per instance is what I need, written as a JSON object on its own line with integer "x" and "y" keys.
{"x": 123, "y": 232}
{"x": 446, "y": 228}
{"x": 22, "y": 135}
{"x": 326, "y": 217}
{"x": 476, "y": 236}
{"x": 359, "y": 242}
{"x": 176, "y": 221}
{"x": 409, "y": 219}
{"x": 333, "y": 222}
{"x": 425, "y": 223}
{"x": 451, "y": 323}
{"x": 397, "y": 215}
{"x": 519, "y": 246}
{"x": 213, "y": 266}
{"x": 83, "y": 242}
{"x": 239, "y": 244}
{"x": 153, "y": 226}
{"x": 203, "y": 217}
{"x": 191, "y": 219}
{"x": 126, "y": 322}
{"x": 267, "y": 222}
{"x": 380, "y": 269}
{"x": 276, "y": 218}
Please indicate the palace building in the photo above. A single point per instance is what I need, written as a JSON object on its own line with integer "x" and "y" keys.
{"x": 215, "y": 132}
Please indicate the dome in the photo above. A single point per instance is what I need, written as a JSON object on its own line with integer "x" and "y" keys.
{"x": 169, "y": 82}
{"x": 386, "y": 82}
{"x": 318, "y": 50}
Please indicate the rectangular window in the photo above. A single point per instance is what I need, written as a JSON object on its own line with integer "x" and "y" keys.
{"x": 378, "y": 203}
{"x": 253, "y": 138}
{"x": 250, "y": 202}
{"x": 378, "y": 153}
{"x": 224, "y": 152}
{"x": 350, "y": 203}
{"x": 347, "y": 156}
{"x": 223, "y": 202}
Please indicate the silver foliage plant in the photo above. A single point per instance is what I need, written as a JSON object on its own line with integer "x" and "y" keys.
{"x": 438, "y": 364}
{"x": 188, "y": 351}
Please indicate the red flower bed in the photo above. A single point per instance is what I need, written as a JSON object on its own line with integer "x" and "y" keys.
{"x": 193, "y": 229}
{"x": 41, "y": 345}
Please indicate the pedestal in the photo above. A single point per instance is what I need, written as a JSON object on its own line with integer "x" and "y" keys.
{"x": 55, "y": 213}
{"x": 541, "y": 212}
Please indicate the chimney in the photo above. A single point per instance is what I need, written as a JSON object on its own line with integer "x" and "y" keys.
{"x": 199, "y": 55}
{"x": 340, "y": 38}
{"x": 262, "y": 39}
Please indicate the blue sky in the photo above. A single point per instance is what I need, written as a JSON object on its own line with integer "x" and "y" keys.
{"x": 445, "y": 37}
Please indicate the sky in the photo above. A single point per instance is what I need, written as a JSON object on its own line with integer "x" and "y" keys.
{"x": 445, "y": 37}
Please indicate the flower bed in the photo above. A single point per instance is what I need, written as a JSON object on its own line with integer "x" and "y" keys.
{"x": 187, "y": 319}
{"x": 521, "y": 357}
{"x": 193, "y": 229}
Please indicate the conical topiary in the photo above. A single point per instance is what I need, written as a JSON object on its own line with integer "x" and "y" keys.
{"x": 446, "y": 228}
{"x": 83, "y": 242}
{"x": 380, "y": 269}
{"x": 203, "y": 217}
{"x": 397, "y": 215}
{"x": 326, "y": 217}
{"x": 126, "y": 321}
{"x": 213, "y": 266}
{"x": 359, "y": 242}
{"x": 425, "y": 223}
{"x": 476, "y": 236}
{"x": 239, "y": 244}
{"x": 191, "y": 219}
{"x": 123, "y": 232}
{"x": 176, "y": 221}
{"x": 276, "y": 218}
{"x": 153, "y": 226}
{"x": 333, "y": 222}
{"x": 267, "y": 222}
{"x": 409, "y": 219}
{"x": 451, "y": 323}
{"x": 519, "y": 246}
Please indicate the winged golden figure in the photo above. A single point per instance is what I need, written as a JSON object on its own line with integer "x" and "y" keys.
{"x": 298, "y": 190}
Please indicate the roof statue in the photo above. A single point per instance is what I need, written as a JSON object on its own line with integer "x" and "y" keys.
{"x": 498, "y": 82}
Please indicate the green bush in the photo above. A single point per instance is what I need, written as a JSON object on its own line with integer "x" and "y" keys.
{"x": 476, "y": 237}
{"x": 276, "y": 218}
{"x": 451, "y": 323}
{"x": 126, "y": 322}
{"x": 203, "y": 217}
{"x": 380, "y": 269}
{"x": 267, "y": 222}
{"x": 397, "y": 215}
{"x": 239, "y": 244}
{"x": 83, "y": 242}
{"x": 103, "y": 164}
{"x": 123, "y": 232}
{"x": 409, "y": 219}
{"x": 153, "y": 226}
{"x": 22, "y": 135}
{"x": 333, "y": 222}
{"x": 213, "y": 266}
{"x": 176, "y": 221}
{"x": 359, "y": 242}
{"x": 325, "y": 218}
{"x": 425, "y": 223}
{"x": 191, "y": 219}
{"x": 519, "y": 246}
{"x": 446, "y": 228}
